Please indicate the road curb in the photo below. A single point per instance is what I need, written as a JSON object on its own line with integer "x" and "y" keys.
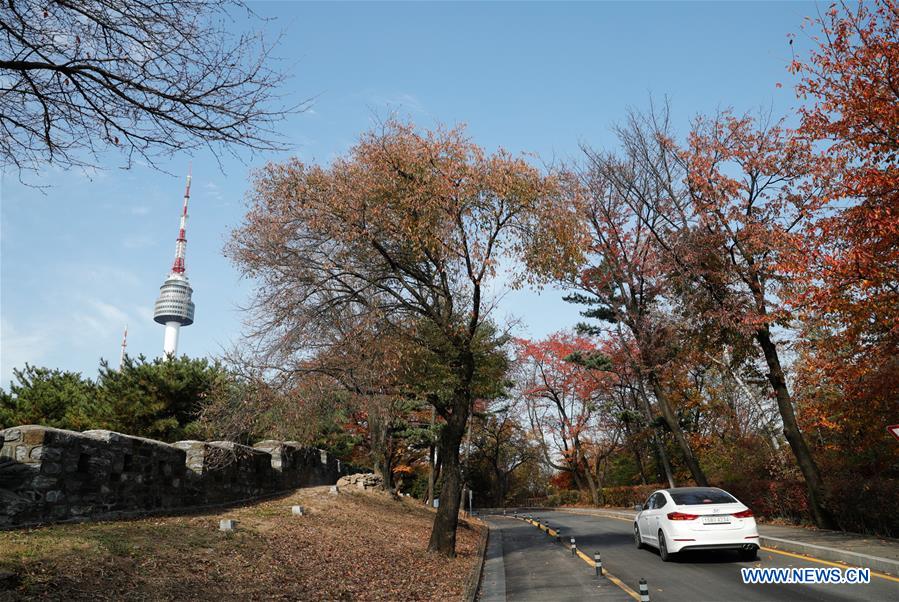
{"x": 474, "y": 577}
{"x": 875, "y": 563}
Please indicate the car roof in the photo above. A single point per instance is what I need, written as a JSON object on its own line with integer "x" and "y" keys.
{"x": 690, "y": 489}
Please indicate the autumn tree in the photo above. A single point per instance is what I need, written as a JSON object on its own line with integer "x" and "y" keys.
{"x": 146, "y": 78}
{"x": 502, "y": 445}
{"x": 746, "y": 193}
{"x": 406, "y": 229}
{"x": 562, "y": 398}
{"x": 846, "y": 274}
{"x": 617, "y": 273}
{"x": 852, "y": 110}
{"x": 848, "y": 271}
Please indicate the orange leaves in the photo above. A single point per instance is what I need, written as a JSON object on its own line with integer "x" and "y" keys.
{"x": 850, "y": 264}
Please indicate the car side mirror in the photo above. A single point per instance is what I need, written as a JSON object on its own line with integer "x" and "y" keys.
{"x": 638, "y": 507}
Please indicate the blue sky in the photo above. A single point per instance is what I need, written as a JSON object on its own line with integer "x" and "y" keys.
{"x": 86, "y": 257}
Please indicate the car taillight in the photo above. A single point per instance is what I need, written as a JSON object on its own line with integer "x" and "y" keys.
{"x": 744, "y": 514}
{"x": 682, "y": 516}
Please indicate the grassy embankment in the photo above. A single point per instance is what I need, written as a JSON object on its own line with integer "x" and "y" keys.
{"x": 353, "y": 546}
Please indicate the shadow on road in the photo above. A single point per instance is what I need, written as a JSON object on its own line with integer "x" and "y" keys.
{"x": 702, "y": 557}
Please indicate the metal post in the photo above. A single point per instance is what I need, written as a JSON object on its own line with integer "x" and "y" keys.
{"x": 644, "y": 590}
{"x": 597, "y": 560}
{"x": 573, "y": 547}
{"x": 559, "y": 534}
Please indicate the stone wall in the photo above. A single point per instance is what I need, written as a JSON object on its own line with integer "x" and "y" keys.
{"x": 53, "y": 475}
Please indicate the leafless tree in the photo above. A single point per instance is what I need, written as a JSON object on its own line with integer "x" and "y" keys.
{"x": 149, "y": 78}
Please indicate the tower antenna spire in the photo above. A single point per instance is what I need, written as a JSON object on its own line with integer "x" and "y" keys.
{"x": 124, "y": 345}
{"x": 178, "y": 266}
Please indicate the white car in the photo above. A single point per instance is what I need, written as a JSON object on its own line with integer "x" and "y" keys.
{"x": 695, "y": 518}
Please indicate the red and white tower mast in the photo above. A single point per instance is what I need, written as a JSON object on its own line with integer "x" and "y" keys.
{"x": 174, "y": 307}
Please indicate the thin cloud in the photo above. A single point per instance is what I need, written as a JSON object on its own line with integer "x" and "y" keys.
{"x": 18, "y": 347}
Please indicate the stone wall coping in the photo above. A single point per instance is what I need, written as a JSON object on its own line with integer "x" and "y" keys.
{"x": 37, "y": 427}
{"x": 274, "y": 443}
{"x": 113, "y": 436}
{"x": 238, "y": 447}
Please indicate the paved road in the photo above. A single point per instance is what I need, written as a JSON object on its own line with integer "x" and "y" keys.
{"x": 523, "y": 564}
{"x": 694, "y": 576}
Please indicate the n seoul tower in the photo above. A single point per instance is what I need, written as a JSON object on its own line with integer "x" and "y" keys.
{"x": 174, "y": 308}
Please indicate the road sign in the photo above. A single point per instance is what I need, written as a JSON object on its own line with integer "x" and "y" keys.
{"x": 894, "y": 430}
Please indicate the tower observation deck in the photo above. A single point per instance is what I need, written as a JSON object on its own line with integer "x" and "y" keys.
{"x": 174, "y": 307}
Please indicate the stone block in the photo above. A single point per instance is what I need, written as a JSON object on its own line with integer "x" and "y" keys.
{"x": 33, "y": 436}
{"x": 51, "y": 468}
{"x": 227, "y": 524}
{"x": 44, "y": 482}
{"x": 297, "y": 510}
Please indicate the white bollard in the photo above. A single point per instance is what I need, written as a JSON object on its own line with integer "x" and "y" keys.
{"x": 597, "y": 562}
{"x": 296, "y": 510}
{"x": 644, "y": 590}
{"x": 227, "y": 524}
{"x": 573, "y": 547}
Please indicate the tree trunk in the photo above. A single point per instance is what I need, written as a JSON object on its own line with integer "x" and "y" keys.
{"x": 431, "y": 458}
{"x": 591, "y": 482}
{"x": 576, "y": 475}
{"x": 443, "y": 533}
{"x": 639, "y": 461}
{"x": 661, "y": 454}
{"x": 813, "y": 482}
{"x": 681, "y": 439}
{"x": 591, "y": 485}
{"x": 629, "y": 442}
{"x": 380, "y": 449}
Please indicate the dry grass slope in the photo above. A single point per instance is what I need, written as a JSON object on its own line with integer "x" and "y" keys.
{"x": 355, "y": 546}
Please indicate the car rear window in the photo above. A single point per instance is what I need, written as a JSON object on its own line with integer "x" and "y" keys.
{"x": 698, "y": 498}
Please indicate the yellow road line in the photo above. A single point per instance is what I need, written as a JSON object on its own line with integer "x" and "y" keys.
{"x": 827, "y": 562}
{"x": 609, "y": 576}
{"x": 621, "y": 584}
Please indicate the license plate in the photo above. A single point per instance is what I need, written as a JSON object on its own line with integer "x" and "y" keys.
{"x": 715, "y": 520}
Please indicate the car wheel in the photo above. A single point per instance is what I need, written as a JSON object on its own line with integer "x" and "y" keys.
{"x": 752, "y": 554}
{"x": 637, "y": 539}
{"x": 664, "y": 554}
